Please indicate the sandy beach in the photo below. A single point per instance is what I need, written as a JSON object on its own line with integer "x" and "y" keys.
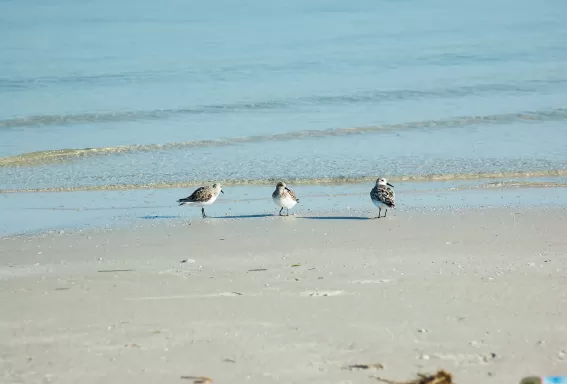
{"x": 479, "y": 293}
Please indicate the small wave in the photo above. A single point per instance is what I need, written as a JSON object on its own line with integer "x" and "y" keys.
{"x": 375, "y": 96}
{"x": 60, "y": 155}
{"x": 336, "y": 181}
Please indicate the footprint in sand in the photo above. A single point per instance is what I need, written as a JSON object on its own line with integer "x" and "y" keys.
{"x": 229, "y": 294}
{"x": 321, "y": 293}
{"x": 381, "y": 281}
{"x": 464, "y": 359}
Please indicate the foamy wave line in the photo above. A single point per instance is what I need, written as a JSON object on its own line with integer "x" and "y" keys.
{"x": 58, "y": 155}
{"x": 329, "y": 180}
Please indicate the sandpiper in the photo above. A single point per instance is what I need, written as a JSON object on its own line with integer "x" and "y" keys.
{"x": 284, "y": 197}
{"x": 383, "y": 196}
{"x": 202, "y": 197}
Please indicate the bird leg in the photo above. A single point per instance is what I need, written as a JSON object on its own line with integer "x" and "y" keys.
{"x": 281, "y": 211}
{"x": 203, "y": 212}
{"x": 379, "y": 211}
{"x": 385, "y": 212}
{"x": 287, "y": 211}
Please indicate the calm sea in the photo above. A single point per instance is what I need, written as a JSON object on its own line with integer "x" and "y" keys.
{"x": 130, "y": 94}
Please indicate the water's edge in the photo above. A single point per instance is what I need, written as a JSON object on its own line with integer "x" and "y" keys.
{"x": 25, "y": 213}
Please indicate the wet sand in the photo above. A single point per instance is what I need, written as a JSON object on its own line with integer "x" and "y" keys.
{"x": 480, "y": 293}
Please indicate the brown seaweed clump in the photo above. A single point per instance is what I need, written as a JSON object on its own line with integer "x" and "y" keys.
{"x": 441, "y": 377}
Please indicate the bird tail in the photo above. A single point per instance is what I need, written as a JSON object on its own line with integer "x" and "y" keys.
{"x": 297, "y": 201}
{"x": 183, "y": 201}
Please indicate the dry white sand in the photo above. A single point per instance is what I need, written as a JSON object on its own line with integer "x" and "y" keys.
{"x": 482, "y": 294}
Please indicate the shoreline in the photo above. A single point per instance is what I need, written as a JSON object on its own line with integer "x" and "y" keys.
{"x": 73, "y": 211}
{"x": 291, "y": 300}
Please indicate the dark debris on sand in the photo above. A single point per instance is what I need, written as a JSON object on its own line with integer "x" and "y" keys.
{"x": 441, "y": 377}
{"x": 353, "y": 367}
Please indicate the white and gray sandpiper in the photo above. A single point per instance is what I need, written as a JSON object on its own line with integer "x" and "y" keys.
{"x": 383, "y": 196}
{"x": 202, "y": 197}
{"x": 284, "y": 197}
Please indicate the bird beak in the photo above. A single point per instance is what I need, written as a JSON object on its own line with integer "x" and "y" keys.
{"x": 222, "y": 191}
{"x": 390, "y": 185}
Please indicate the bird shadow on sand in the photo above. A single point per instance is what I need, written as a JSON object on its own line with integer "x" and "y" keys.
{"x": 258, "y": 216}
{"x": 336, "y": 218}
{"x": 158, "y": 217}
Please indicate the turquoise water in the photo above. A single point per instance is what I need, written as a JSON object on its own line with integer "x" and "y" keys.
{"x": 25, "y": 213}
{"x": 135, "y": 94}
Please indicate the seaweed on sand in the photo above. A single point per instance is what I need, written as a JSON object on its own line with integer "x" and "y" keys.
{"x": 441, "y": 377}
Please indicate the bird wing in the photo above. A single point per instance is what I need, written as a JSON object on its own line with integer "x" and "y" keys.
{"x": 386, "y": 195}
{"x": 291, "y": 194}
{"x": 201, "y": 194}
{"x": 374, "y": 193}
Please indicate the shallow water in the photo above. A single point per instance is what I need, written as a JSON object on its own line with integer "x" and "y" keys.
{"x": 136, "y": 95}
{"x": 25, "y": 213}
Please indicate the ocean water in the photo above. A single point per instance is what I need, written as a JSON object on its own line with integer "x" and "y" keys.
{"x": 138, "y": 95}
{"x": 106, "y": 95}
